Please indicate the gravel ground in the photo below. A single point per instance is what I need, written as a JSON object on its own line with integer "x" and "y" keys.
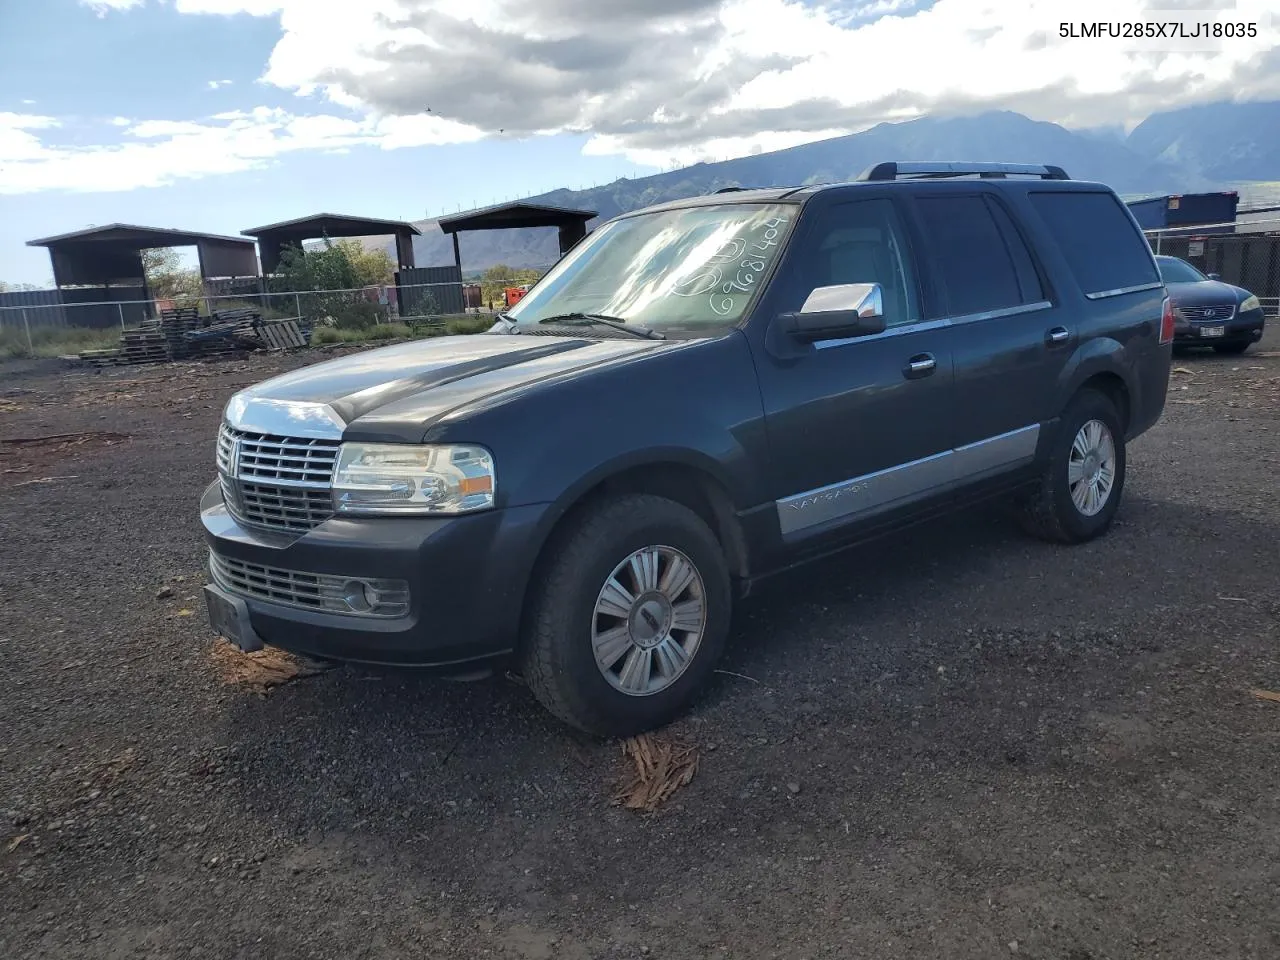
{"x": 957, "y": 744}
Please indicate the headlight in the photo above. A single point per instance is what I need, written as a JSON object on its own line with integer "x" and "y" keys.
{"x": 395, "y": 478}
{"x": 1249, "y": 303}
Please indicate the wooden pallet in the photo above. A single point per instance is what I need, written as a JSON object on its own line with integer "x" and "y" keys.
{"x": 281, "y": 334}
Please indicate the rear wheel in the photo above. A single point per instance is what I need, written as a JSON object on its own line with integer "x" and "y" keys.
{"x": 628, "y": 616}
{"x": 1079, "y": 492}
{"x": 1231, "y": 348}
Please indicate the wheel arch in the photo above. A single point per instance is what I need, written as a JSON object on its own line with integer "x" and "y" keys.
{"x": 1100, "y": 365}
{"x": 685, "y": 477}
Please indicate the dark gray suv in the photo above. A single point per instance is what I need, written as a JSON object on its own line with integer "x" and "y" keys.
{"x": 697, "y": 396}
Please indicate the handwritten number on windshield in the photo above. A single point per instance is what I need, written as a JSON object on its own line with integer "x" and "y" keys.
{"x": 744, "y": 278}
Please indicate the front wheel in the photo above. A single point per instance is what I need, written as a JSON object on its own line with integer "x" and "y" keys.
{"x": 1079, "y": 492}
{"x": 627, "y": 617}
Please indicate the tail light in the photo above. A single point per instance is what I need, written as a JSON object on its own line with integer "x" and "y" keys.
{"x": 1167, "y": 317}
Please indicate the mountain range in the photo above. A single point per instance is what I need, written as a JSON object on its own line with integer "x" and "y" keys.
{"x": 1213, "y": 147}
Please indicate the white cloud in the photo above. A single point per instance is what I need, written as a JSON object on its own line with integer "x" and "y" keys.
{"x": 156, "y": 152}
{"x": 17, "y": 143}
{"x": 103, "y": 7}
{"x": 215, "y": 84}
{"x": 680, "y": 80}
{"x": 692, "y": 78}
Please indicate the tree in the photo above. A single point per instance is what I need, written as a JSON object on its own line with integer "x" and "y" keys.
{"x": 344, "y": 265}
{"x": 15, "y": 287}
{"x": 167, "y": 279}
{"x": 500, "y": 276}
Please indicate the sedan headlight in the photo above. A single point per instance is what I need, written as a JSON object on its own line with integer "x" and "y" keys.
{"x": 396, "y": 478}
{"x": 1250, "y": 302}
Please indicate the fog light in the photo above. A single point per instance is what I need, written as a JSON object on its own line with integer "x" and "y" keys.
{"x": 359, "y": 596}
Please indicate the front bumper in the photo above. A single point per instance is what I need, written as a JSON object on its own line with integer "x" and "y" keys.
{"x": 1243, "y": 326}
{"x": 466, "y": 578}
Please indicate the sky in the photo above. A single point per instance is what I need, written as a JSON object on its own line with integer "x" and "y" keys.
{"x": 222, "y": 115}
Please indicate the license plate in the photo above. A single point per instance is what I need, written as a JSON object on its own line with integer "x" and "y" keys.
{"x": 229, "y": 618}
{"x": 1212, "y": 331}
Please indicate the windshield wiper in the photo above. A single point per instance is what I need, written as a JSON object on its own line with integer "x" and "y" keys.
{"x": 587, "y": 319}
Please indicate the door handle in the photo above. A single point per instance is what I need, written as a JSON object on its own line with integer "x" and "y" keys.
{"x": 921, "y": 365}
{"x": 1058, "y": 335}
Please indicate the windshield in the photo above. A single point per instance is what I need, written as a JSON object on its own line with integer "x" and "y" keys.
{"x": 692, "y": 269}
{"x": 1179, "y": 271}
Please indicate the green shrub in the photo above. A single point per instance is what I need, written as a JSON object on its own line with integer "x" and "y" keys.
{"x": 469, "y": 323}
{"x": 55, "y": 341}
{"x": 388, "y": 331}
{"x": 322, "y": 335}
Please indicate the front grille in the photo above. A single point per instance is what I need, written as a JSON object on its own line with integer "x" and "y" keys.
{"x": 310, "y": 591}
{"x": 282, "y": 483}
{"x": 1222, "y": 312}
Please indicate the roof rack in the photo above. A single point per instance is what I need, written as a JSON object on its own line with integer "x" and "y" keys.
{"x": 728, "y": 190}
{"x": 928, "y": 171}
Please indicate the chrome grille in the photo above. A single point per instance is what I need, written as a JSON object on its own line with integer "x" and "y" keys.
{"x": 308, "y": 591}
{"x": 1221, "y": 312}
{"x": 282, "y": 483}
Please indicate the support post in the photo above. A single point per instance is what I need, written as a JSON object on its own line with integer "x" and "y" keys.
{"x": 26, "y": 326}
{"x": 457, "y": 256}
{"x": 120, "y": 310}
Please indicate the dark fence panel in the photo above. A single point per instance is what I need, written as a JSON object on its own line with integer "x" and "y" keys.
{"x": 96, "y": 308}
{"x": 45, "y": 308}
{"x": 416, "y": 299}
{"x": 234, "y": 287}
{"x": 1252, "y": 262}
{"x": 99, "y": 315}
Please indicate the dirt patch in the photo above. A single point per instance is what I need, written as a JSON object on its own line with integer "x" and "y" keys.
{"x": 261, "y": 671}
{"x": 942, "y": 744}
{"x": 26, "y": 460}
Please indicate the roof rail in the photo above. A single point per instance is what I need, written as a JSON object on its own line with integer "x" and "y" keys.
{"x": 930, "y": 170}
{"x": 728, "y": 190}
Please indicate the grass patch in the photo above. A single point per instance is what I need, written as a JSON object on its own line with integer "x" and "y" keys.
{"x": 415, "y": 329}
{"x": 55, "y": 341}
{"x": 469, "y": 323}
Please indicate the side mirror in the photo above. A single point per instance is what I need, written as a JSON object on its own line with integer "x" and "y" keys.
{"x": 1214, "y": 276}
{"x": 838, "y": 311}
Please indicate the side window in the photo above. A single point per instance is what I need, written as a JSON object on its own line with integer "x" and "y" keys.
{"x": 1028, "y": 278}
{"x": 1100, "y": 243}
{"x": 860, "y": 242}
{"x": 974, "y": 257}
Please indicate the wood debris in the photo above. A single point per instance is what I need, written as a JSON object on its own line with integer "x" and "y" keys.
{"x": 661, "y": 767}
{"x": 262, "y": 670}
{"x": 1266, "y": 695}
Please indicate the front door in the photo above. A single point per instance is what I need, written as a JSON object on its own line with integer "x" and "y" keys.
{"x": 861, "y": 426}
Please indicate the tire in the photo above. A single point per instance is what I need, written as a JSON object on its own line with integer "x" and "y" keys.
{"x": 565, "y": 619}
{"x": 1051, "y": 512}
{"x": 1231, "y": 349}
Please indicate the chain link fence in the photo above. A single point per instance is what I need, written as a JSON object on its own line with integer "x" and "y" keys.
{"x": 1250, "y": 260}
{"x": 379, "y": 312}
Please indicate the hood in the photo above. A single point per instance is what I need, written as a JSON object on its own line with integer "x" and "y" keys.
{"x": 410, "y": 385}
{"x": 1205, "y": 293}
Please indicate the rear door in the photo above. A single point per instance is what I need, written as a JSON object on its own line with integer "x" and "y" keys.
{"x": 1010, "y": 341}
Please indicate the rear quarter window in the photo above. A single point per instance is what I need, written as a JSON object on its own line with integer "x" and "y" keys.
{"x": 1103, "y": 248}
